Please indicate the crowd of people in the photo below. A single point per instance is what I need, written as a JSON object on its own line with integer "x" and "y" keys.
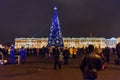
{"x": 48, "y": 52}
{"x": 91, "y": 59}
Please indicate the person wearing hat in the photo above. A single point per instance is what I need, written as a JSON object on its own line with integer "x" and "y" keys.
{"x": 12, "y": 55}
{"x": 22, "y": 55}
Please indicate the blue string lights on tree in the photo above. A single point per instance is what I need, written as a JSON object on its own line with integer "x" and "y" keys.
{"x": 55, "y": 37}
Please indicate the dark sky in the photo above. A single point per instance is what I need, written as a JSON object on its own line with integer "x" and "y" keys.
{"x": 78, "y": 18}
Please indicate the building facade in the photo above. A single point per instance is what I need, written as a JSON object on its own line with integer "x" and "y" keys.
{"x": 68, "y": 42}
{"x": 30, "y": 42}
{"x": 111, "y": 42}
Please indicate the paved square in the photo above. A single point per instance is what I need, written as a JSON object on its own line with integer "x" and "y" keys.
{"x": 37, "y": 68}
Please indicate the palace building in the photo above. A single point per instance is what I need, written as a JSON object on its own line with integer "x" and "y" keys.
{"x": 68, "y": 42}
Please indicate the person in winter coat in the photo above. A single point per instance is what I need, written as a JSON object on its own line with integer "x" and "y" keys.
{"x": 61, "y": 57}
{"x": 106, "y": 53}
{"x": 117, "y": 60}
{"x": 90, "y": 64}
{"x": 12, "y": 55}
{"x": 66, "y": 54}
{"x": 56, "y": 54}
{"x": 22, "y": 55}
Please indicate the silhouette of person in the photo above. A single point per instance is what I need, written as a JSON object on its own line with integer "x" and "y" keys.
{"x": 12, "y": 55}
{"x": 90, "y": 64}
{"x": 22, "y": 55}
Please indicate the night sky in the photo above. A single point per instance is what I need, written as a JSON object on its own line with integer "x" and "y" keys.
{"x": 78, "y": 18}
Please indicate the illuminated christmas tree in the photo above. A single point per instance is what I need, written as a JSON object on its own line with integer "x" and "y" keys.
{"x": 55, "y": 37}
